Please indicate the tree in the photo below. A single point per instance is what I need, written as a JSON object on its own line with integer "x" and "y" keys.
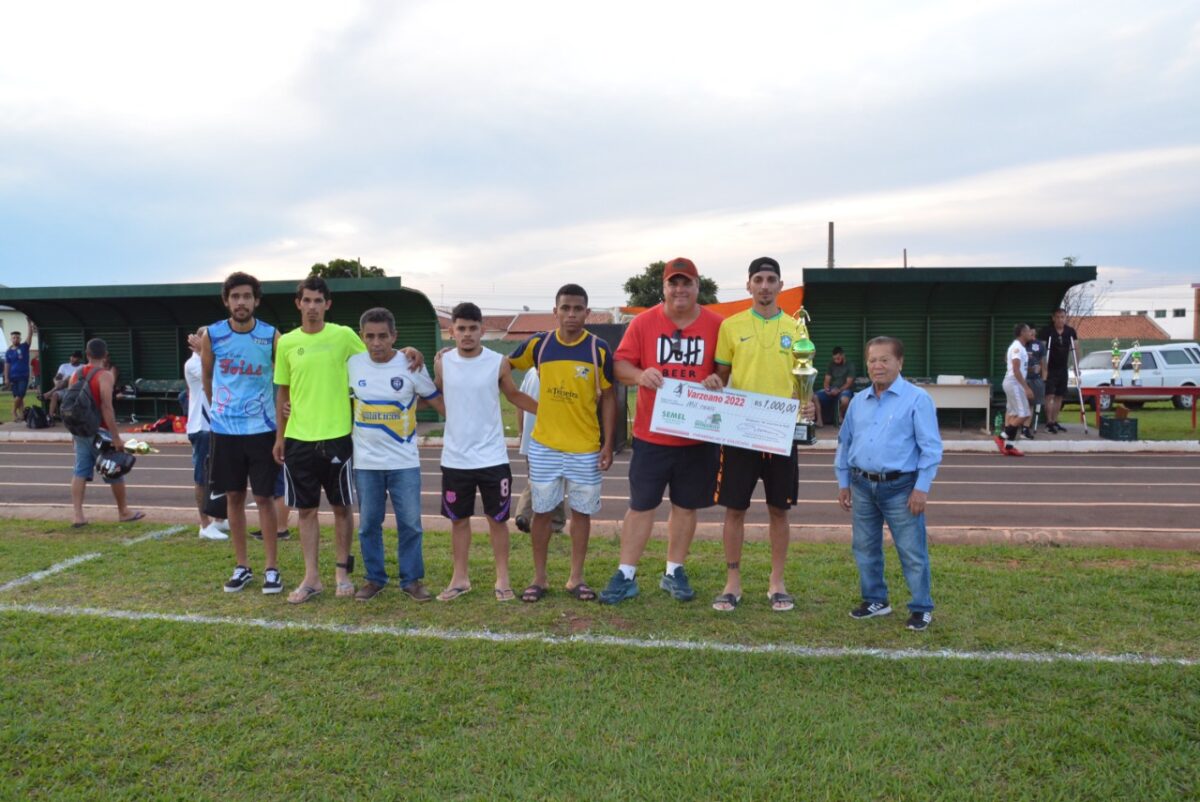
{"x": 345, "y": 268}
{"x": 645, "y": 289}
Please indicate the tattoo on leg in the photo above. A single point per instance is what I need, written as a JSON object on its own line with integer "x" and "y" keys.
{"x": 733, "y": 566}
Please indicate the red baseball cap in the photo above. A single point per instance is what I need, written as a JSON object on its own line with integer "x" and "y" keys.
{"x": 680, "y": 267}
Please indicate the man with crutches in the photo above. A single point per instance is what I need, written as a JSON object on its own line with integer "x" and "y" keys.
{"x": 1035, "y": 377}
{"x": 1061, "y": 345}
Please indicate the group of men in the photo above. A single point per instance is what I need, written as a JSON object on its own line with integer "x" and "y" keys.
{"x": 1036, "y": 371}
{"x": 324, "y": 408}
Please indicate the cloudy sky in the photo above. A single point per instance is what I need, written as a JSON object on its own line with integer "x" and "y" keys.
{"x": 491, "y": 151}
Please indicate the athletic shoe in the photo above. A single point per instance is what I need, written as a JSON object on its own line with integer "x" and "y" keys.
{"x": 211, "y": 532}
{"x": 222, "y": 525}
{"x": 367, "y": 592}
{"x": 919, "y": 622}
{"x": 1026, "y": 432}
{"x": 619, "y": 589}
{"x": 1052, "y": 428}
{"x": 676, "y": 584}
{"x": 999, "y": 443}
{"x": 272, "y": 582}
{"x": 284, "y": 535}
{"x": 871, "y": 610}
{"x": 1012, "y": 451}
{"x": 1060, "y": 428}
{"x": 242, "y": 576}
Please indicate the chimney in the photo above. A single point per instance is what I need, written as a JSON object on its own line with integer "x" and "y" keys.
{"x": 829, "y": 263}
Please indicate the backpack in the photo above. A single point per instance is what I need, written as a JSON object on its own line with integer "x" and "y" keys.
{"x": 79, "y": 410}
{"x": 36, "y": 418}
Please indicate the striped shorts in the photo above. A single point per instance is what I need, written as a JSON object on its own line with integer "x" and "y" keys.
{"x": 555, "y": 475}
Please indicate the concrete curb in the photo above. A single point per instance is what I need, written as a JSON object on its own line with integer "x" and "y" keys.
{"x": 950, "y": 446}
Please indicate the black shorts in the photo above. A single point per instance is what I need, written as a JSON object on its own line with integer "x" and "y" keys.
{"x": 741, "y": 469}
{"x": 494, "y": 485}
{"x": 232, "y": 458}
{"x": 1056, "y": 381}
{"x": 311, "y": 465}
{"x": 689, "y": 471}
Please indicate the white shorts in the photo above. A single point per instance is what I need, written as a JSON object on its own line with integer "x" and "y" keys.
{"x": 555, "y": 475}
{"x": 1015, "y": 402}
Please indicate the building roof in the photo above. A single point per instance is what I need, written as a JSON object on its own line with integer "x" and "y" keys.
{"x": 1124, "y": 327}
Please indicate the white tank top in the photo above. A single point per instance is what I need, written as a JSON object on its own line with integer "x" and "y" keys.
{"x": 474, "y": 434}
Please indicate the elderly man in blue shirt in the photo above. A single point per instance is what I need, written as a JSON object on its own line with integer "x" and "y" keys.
{"x": 889, "y": 449}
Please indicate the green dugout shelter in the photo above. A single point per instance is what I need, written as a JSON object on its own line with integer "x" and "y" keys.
{"x": 146, "y": 325}
{"x": 953, "y": 320}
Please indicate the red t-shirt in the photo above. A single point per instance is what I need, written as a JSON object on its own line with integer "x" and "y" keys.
{"x": 650, "y": 342}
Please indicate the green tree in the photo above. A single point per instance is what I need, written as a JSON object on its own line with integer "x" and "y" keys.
{"x": 345, "y": 268}
{"x": 645, "y": 289}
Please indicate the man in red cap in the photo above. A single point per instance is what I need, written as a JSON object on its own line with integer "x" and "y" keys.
{"x": 676, "y": 339}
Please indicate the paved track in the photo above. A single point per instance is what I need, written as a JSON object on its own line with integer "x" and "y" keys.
{"x": 1139, "y": 499}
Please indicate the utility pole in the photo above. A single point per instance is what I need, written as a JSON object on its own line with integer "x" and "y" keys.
{"x": 829, "y": 263}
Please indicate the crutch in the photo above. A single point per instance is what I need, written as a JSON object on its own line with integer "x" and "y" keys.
{"x": 1079, "y": 388}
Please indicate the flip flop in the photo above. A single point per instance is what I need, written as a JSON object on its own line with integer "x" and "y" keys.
{"x": 450, "y": 594}
{"x": 582, "y": 592}
{"x": 302, "y": 594}
{"x": 726, "y": 603}
{"x": 344, "y": 590}
{"x": 533, "y": 593}
{"x": 781, "y": 602}
{"x": 137, "y": 516}
{"x": 505, "y": 594}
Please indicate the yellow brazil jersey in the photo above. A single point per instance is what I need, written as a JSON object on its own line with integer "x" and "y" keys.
{"x": 759, "y": 350}
{"x": 566, "y": 419}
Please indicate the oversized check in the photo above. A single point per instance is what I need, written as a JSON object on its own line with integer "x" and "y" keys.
{"x": 730, "y": 417}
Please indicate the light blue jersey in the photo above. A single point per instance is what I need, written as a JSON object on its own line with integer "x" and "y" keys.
{"x": 243, "y": 395}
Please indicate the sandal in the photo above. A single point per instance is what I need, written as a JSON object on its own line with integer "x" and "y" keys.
{"x": 137, "y": 516}
{"x": 504, "y": 594}
{"x": 781, "y": 602}
{"x": 302, "y": 594}
{"x": 726, "y": 603}
{"x": 533, "y": 593}
{"x": 582, "y": 592}
{"x": 344, "y": 589}
{"x": 450, "y": 594}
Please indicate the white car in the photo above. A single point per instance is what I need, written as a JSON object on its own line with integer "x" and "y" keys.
{"x": 1174, "y": 365}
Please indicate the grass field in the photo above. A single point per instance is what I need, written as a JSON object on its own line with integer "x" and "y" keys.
{"x": 356, "y": 704}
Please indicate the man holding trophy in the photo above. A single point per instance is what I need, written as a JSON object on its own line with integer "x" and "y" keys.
{"x": 755, "y": 353}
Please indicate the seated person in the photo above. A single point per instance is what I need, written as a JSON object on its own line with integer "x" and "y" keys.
{"x": 61, "y": 379}
{"x": 839, "y": 384}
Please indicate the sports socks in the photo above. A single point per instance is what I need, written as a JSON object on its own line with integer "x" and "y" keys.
{"x": 628, "y": 570}
{"x": 672, "y": 566}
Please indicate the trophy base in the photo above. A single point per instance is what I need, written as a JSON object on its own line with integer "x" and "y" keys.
{"x": 805, "y": 434}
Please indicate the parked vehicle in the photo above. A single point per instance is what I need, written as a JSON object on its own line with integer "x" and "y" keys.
{"x": 1173, "y": 365}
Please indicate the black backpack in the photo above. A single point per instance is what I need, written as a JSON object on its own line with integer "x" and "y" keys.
{"x": 36, "y": 418}
{"x": 80, "y": 413}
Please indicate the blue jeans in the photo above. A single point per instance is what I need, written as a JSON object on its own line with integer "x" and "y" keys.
{"x": 404, "y": 486}
{"x": 874, "y": 503}
{"x": 828, "y": 401}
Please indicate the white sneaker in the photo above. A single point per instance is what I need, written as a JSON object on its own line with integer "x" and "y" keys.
{"x": 211, "y": 532}
{"x": 222, "y": 526}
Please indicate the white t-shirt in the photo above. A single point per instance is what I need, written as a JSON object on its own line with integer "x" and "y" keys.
{"x": 66, "y": 370}
{"x": 197, "y": 413}
{"x": 531, "y": 385}
{"x": 385, "y": 411}
{"x": 1016, "y": 351}
{"x": 474, "y": 436}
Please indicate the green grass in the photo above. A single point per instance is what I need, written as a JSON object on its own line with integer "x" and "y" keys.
{"x": 101, "y": 709}
{"x": 1157, "y": 420}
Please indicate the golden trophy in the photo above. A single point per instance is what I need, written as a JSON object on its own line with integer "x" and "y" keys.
{"x": 804, "y": 378}
{"x": 1135, "y": 359}
{"x": 1115, "y": 381}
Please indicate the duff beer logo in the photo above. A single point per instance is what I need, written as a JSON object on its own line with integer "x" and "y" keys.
{"x": 680, "y": 350}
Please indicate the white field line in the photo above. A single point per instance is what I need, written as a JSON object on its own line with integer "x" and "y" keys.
{"x": 37, "y": 576}
{"x": 158, "y": 534}
{"x": 433, "y": 633}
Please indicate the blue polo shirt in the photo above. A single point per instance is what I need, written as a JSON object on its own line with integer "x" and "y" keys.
{"x": 895, "y": 431}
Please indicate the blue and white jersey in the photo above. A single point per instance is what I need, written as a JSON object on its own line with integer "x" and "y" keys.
{"x": 243, "y": 393}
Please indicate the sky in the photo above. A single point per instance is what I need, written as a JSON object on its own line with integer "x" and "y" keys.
{"x": 493, "y": 151}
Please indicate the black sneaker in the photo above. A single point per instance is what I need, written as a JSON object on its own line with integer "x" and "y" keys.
{"x": 272, "y": 582}
{"x": 284, "y": 535}
{"x": 1026, "y": 432}
{"x": 871, "y": 610}
{"x": 1058, "y": 427}
{"x": 919, "y": 622}
{"x": 242, "y": 576}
